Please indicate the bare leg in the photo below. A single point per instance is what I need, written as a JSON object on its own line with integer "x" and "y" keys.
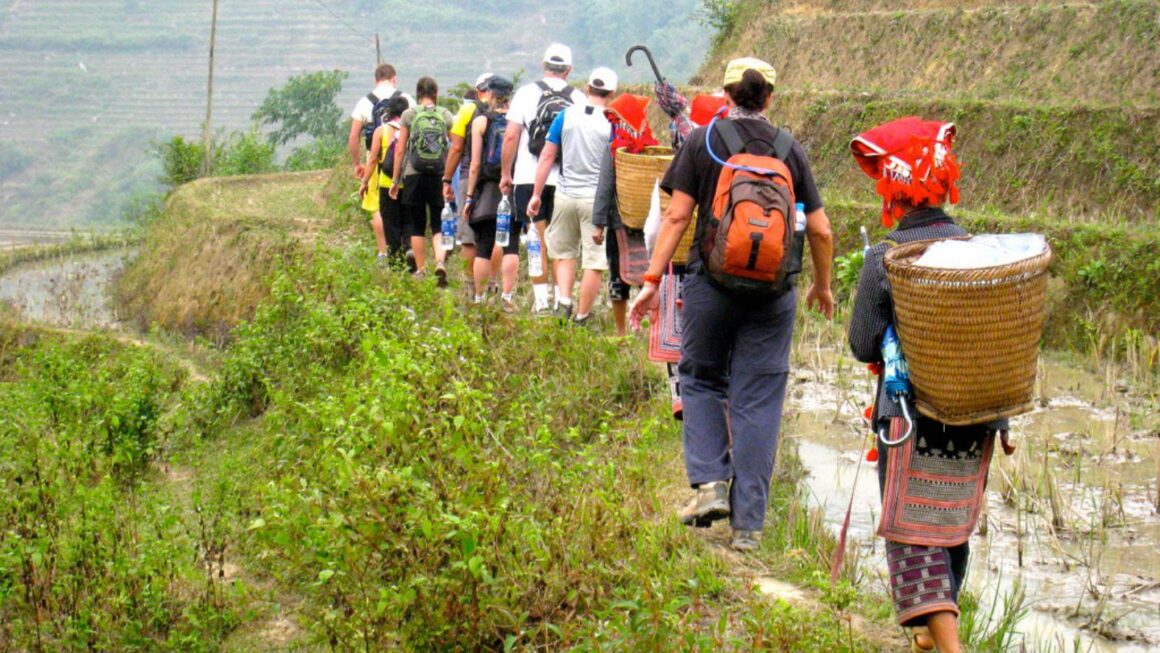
{"x": 437, "y": 245}
{"x": 620, "y": 316}
{"x": 468, "y": 259}
{"x": 510, "y": 269}
{"x": 419, "y": 247}
{"x": 944, "y": 627}
{"x": 380, "y": 235}
{"x": 589, "y": 289}
{"x": 482, "y": 274}
{"x": 565, "y": 278}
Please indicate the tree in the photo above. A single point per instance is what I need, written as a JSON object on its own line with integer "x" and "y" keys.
{"x": 304, "y": 107}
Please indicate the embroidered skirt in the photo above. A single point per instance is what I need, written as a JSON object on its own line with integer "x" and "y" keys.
{"x": 933, "y": 489}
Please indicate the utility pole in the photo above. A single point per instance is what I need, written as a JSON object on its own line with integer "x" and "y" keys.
{"x": 378, "y": 51}
{"x": 207, "y": 137}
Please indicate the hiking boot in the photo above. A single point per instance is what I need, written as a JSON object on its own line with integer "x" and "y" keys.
{"x": 508, "y": 305}
{"x": 383, "y": 260}
{"x": 542, "y": 310}
{"x": 441, "y": 277}
{"x": 583, "y": 322}
{"x": 710, "y": 504}
{"x": 745, "y": 541}
{"x": 564, "y": 312}
{"x": 412, "y": 266}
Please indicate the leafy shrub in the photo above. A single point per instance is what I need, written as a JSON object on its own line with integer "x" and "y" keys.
{"x": 90, "y": 559}
{"x": 182, "y": 160}
{"x": 245, "y": 153}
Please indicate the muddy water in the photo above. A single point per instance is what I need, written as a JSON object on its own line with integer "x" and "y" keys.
{"x": 1088, "y": 561}
{"x": 68, "y": 292}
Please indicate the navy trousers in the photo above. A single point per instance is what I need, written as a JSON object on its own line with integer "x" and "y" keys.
{"x": 733, "y": 372}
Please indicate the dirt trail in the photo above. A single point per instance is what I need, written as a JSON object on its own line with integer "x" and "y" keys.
{"x": 751, "y": 574}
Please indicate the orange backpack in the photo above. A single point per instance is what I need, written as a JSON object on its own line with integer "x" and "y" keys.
{"x": 748, "y": 239}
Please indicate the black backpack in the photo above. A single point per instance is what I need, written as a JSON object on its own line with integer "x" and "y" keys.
{"x": 550, "y": 105}
{"x": 480, "y": 110}
{"x": 378, "y": 115}
{"x": 491, "y": 158}
{"x": 387, "y": 166}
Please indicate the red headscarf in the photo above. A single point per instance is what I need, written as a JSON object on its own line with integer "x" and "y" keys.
{"x": 704, "y": 108}
{"x": 912, "y": 161}
{"x": 629, "y": 117}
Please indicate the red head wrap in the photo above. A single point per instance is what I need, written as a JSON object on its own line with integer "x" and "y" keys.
{"x": 912, "y": 161}
{"x": 704, "y": 108}
{"x": 629, "y": 117}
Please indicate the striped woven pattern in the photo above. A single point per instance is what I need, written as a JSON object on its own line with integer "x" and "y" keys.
{"x": 920, "y": 580}
{"x": 971, "y": 337}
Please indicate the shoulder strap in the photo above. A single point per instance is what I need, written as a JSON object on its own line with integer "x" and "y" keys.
{"x": 374, "y": 99}
{"x": 728, "y": 132}
{"x": 544, "y": 88}
{"x": 782, "y": 145}
{"x": 396, "y": 94}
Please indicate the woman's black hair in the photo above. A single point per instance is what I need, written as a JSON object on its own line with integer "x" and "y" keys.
{"x": 752, "y": 92}
{"x": 427, "y": 87}
{"x": 396, "y": 106}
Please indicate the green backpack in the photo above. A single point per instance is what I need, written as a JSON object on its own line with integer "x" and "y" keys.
{"x": 427, "y": 143}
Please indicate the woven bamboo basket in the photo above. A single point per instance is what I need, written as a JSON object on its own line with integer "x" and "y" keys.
{"x": 636, "y": 175}
{"x": 971, "y": 337}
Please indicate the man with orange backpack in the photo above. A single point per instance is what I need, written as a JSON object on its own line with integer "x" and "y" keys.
{"x": 745, "y": 176}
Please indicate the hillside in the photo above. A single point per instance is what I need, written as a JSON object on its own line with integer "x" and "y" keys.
{"x": 89, "y": 84}
{"x": 1058, "y": 104}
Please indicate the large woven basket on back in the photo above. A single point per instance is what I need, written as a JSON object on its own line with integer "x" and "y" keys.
{"x": 636, "y": 175}
{"x": 970, "y": 337}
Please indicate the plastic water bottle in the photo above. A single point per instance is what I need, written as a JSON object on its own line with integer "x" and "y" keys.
{"x": 535, "y": 258}
{"x": 503, "y": 222}
{"x": 896, "y": 377}
{"x": 799, "y": 237}
{"x": 450, "y": 220}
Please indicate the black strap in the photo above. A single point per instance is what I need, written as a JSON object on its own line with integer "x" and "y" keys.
{"x": 782, "y": 145}
{"x": 374, "y": 99}
{"x": 544, "y": 88}
{"x": 733, "y": 143}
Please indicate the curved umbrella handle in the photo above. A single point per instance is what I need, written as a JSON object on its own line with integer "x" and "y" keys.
{"x": 890, "y": 444}
{"x": 652, "y": 62}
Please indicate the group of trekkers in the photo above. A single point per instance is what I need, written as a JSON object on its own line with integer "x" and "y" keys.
{"x": 545, "y": 152}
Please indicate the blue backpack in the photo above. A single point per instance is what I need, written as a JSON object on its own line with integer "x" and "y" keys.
{"x": 378, "y": 115}
{"x": 492, "y": 155}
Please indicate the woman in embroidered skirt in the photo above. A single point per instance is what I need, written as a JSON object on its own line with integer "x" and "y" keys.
{"x": 933, "y": 485}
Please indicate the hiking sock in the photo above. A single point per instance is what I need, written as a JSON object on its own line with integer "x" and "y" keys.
{"x": 563, "y": 301}
{"x": 507, "y": 296}
{"x": 478, "y": 299}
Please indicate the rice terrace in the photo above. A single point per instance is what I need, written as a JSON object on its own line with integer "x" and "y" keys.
{"x": 709, "y": 325}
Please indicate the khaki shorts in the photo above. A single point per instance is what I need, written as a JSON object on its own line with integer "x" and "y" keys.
{"x": 569, "y": 234}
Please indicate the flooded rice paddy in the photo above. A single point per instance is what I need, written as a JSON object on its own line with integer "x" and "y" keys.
{"x": 1073, "y": 517}
{"x": 71, "y": 291}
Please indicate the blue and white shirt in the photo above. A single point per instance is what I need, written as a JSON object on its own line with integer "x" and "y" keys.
{"x": 583, "y": 134}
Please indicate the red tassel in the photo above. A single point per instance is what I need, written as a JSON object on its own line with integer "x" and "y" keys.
{"x": 872, "y": 455}
{"x": 868, "y": 412}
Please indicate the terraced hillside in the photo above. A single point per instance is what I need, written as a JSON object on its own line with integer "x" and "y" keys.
{"x": 1058, "y": 103}
{"x": 88, "y": 84}
{"x": 1058, "y": 113}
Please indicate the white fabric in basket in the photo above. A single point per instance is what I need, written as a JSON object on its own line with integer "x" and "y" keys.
{"x": 982, "y": 251}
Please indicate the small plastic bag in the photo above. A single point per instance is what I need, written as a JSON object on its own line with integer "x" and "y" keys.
{"x": 652, "y": 224}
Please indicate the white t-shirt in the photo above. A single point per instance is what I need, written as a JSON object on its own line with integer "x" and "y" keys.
{"x": 522, "y": 112}
{"x": 583, "y": 133}
{"x": 362, "y": 108}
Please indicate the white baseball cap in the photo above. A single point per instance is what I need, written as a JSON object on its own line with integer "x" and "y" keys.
{"x": 482, "y": 79}
{"x": 558, "y": 54}
{"x": 603, "y": 79}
